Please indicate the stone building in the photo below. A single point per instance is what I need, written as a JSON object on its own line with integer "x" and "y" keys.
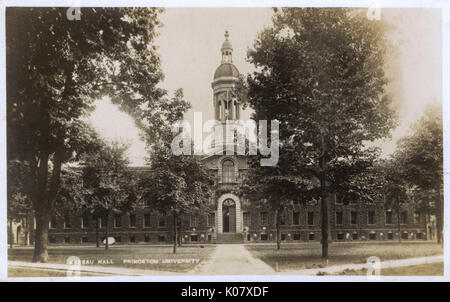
{"x": 231, "y": 219}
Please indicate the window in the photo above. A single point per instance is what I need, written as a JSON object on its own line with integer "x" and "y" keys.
{"x": 85, "y": 221}
{"x": 339, "y": 199}
{"x": 118, "y": 238}
{"x": 416, "y": 217}
{"x": 212, "y": 219}
{"x": 296, "y": 218}
{"x": 405, "y": 235}
{"x": 355, "y": 236}
{"x": 419, "y": 236}
{"x": 338, "y": 217}
{"x": 311, "y": 236}
{"x": 67, "y": 222}
{"x": 388, "y": 217}
{"x": 132, "y": 238}
{"x": 194, "y": 222}
{"x": 353, "y": 217}
{"x": 404, "y": 217}
{"x": 372, "y": 236}
{"x": 133, "y": 221}
{"x": 283, "y": 219}
{"x": 264, "y": 237}
{"x": 146, "y": 220}
{"x": 297, "y": 236}
{"x": 283, "y": 237}
{"x": 263, "y": 218}
{"x": 371, "y": 217}
{"x": 246, "y": 216}
{"x": 147, "y": 238}
{"x": 52, "y": 224}
{"x": 228, "y": 171}
{"x": 117, "y": 221}
{"x": 390, "y": 236}
{"x": 67, "y": 239}
{"x": 340, "y": 236}
{"x": 103, "y": 221}
{"x": 84, "y": 239}
{"x": 162, "y": 223}
{"x": 194, "y": 238}
{"x": 310, "y": 218}
{"x": 52, "y": 239}
{"x": 161, "y": 238}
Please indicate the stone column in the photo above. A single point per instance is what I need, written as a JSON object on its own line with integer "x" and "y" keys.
{"x": 238, "y": 110}
{"x": 232, "y": 109}
{"x": 219, "y": 218}
{"x": 216, "y": 107}
{"x": 238, "y": 217}
{"x": 223, "y": 109}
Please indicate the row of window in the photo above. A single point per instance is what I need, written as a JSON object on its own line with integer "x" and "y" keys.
{"x": 339, "y": 218}
{"x": 264, "y": 219}
{"x": 339, "y": 236}
{"x": 132, "y": 238}
{"x": 117, "y": 221}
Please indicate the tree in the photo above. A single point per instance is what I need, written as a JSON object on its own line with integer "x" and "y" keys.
{"x": 56, "y": 69}
{"x": 109, "y": 183}
{"x": 276, "y": 187}
{"x": 395, "y": 188}
{"x": 320, "y": 73}
{"x": 19, "y": 203}
{"x": 176, "y": 185}
{"x": 421, "y": 156}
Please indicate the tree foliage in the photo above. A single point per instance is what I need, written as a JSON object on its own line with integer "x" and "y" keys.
{"x": 320, "y": 72}
{"x": 57, "y": 68}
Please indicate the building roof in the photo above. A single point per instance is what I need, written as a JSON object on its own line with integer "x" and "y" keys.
{"x": 226, "y": 70}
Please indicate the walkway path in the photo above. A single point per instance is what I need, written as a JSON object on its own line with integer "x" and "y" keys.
{"x": 232, "y": 259}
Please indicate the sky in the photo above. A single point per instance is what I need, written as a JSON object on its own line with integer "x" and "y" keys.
{"x": 189, "y": 45}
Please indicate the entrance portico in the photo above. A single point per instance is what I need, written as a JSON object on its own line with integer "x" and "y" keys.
{"x": 229, "y": 214}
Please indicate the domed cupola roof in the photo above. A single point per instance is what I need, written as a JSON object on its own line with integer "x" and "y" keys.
{"x": 226, "y": 69}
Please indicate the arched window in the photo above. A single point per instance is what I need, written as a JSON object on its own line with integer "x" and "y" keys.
{"x": 228, "y": 171}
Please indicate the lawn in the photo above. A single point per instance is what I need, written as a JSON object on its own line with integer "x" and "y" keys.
{"x": 18, "y": 272}
{"x": 429, "y": 269}
{"x": 308, "y": 255}
{"x": 145, "y": 257}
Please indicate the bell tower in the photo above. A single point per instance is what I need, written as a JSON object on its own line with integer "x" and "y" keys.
{"x": 226, "y": 105}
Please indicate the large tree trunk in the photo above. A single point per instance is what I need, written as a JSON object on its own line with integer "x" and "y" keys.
{"x": 106, "y": 231}
{"x": 399, "y": 222}
{"x": 277, "y": 223}
{"x": 180, "y": 230}
{"x": 174, "y": 232}
{"x": 439, "y": 215}
{"x": 97, "y": 231}
{"x": 43, "y": 202}
{"x": 41, "y": 237}
{"x": 11, "y": 235}
{"x": 324, "y": 200}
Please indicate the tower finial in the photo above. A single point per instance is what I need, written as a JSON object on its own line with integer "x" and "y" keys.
{"x": 226, "y": 35}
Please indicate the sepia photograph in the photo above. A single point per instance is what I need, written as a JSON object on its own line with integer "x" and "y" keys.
{"x": 289, "y": 142}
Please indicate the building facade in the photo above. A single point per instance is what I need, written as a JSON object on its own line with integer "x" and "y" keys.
{"x": 232, "y": 219}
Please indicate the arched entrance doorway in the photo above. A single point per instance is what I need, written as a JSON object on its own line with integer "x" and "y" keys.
{"x": 229, "y": 216}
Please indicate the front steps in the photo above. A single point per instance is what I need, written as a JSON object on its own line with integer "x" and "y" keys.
{"x": 229, "y": 238}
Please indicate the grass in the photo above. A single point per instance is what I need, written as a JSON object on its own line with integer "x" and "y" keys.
{"x": 18, "y": 272}
{"x": 158, "y": 258}
{"x": 308, "y": 255}
{"x": 429, "y": 269}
